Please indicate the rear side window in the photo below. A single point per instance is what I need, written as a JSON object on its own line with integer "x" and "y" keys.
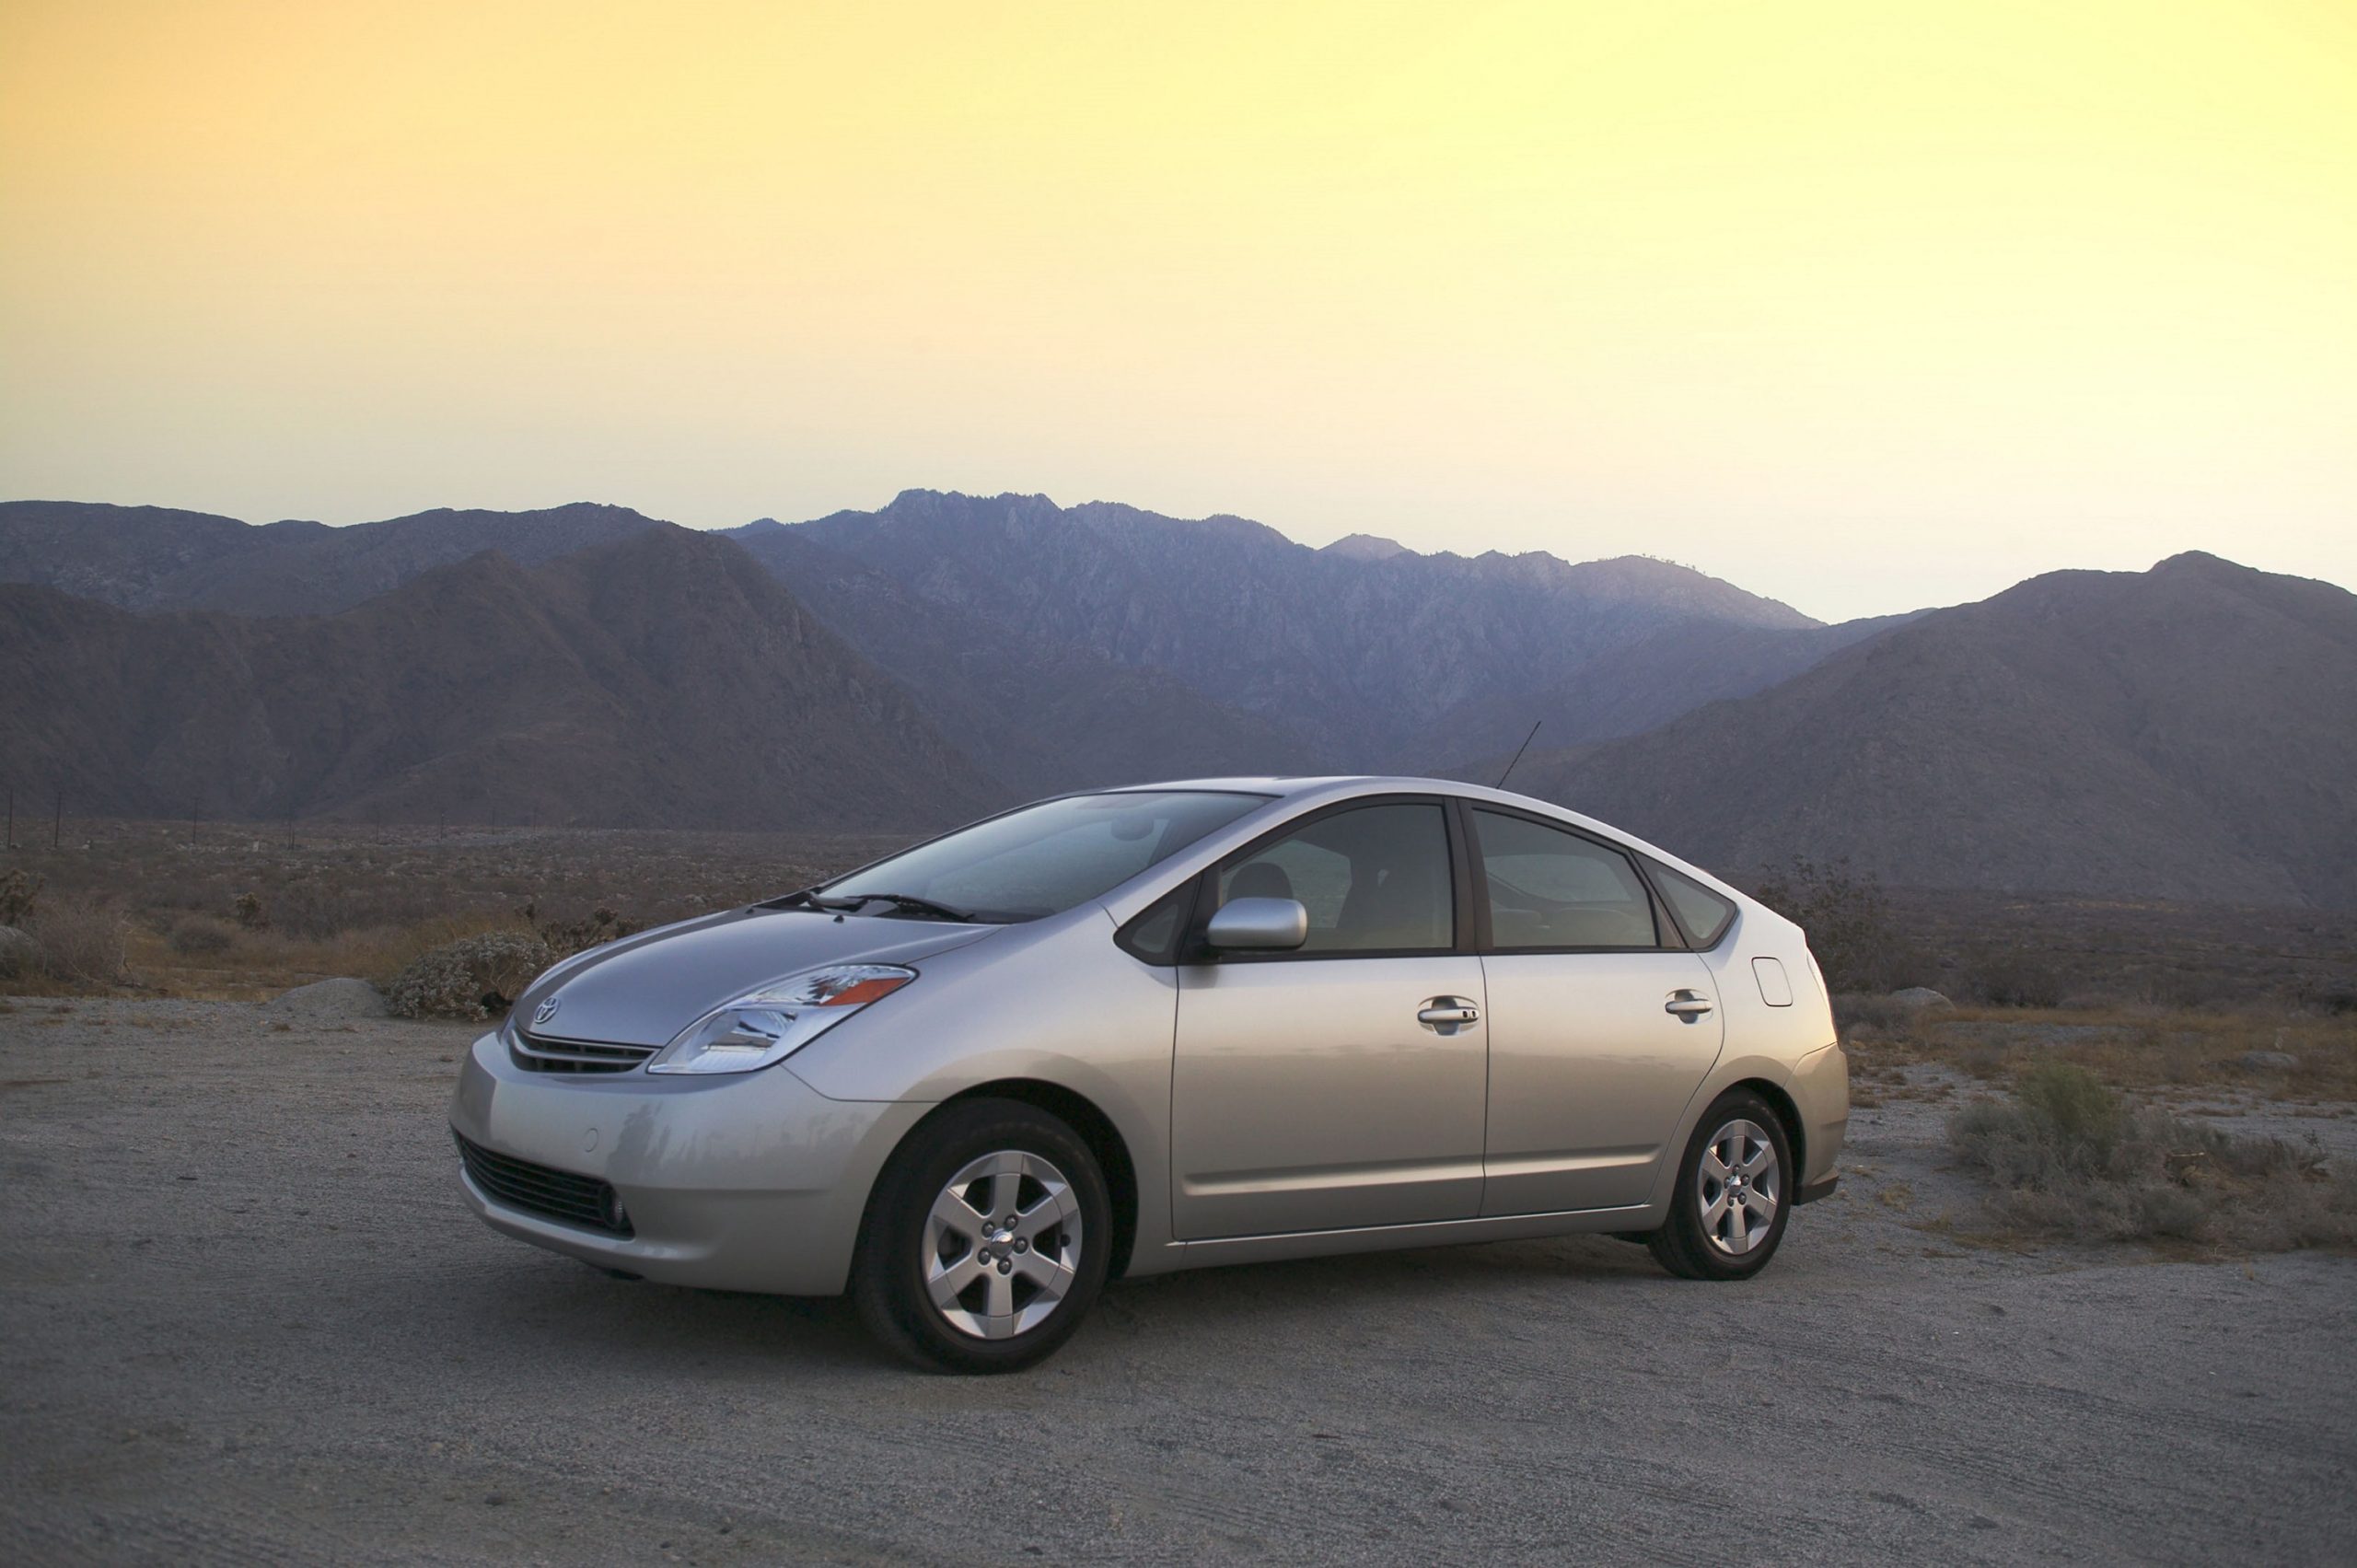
{"x": 1704, "y": 914}
{"x": 1553, "y": 890}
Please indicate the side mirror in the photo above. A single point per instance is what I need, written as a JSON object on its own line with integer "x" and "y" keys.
{"x": 1258, "y": 926}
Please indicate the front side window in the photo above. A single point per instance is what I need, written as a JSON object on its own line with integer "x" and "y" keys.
{"x": 1550, "y": 889}
{"x": 1046, "y": 858}
{"x": 1374, "y": 879}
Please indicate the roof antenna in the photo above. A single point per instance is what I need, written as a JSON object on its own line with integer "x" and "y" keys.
{"x": 1517, "y": 753}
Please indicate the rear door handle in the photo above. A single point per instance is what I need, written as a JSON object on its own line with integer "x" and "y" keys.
{"x": 1686, "y": 1005}
{"x": 1446, "y": 1012}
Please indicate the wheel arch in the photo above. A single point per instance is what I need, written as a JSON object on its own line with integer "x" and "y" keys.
{"x": 1096, "y": 1129}
{"x": 1787, "y": 1111}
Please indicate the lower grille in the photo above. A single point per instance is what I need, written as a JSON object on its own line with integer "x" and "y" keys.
{"x": 556, "y": 1194}
{"x": 537, "y": 1054}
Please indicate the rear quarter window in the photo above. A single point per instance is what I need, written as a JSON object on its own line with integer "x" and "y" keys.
{"x": 1706, "y": 915}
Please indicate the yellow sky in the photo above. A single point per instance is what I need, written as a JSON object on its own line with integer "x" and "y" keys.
{"x": 1864, "y": 305}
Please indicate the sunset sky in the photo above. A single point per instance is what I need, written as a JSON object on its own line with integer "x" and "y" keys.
{"x": 1863, "y": 306}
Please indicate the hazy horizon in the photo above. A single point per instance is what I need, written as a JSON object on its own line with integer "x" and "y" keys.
{"x": 1862, "y": 307}
{"x": 1464, "y": 548}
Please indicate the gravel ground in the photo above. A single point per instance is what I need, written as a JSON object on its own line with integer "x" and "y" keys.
{"x": 243, "y": 1318}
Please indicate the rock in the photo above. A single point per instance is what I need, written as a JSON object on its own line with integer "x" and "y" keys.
{"x": 1916, "y": 997}
{"x": 19, "y": 954}
{"x": 2267, "y": 1061}
{"x": 475, "y": 977}
{"x": 329, "y": 999}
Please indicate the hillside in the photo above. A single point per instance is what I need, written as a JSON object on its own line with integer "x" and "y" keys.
{"x": 1357, "y": 650}
{"x": 1633, "y": 688}
{"x": 661, "y": 679}
{"x": 1040, "y": 716}
{"x": 2188, "y": 732}
{"x": 152, "y": 558}
{"x": 1139, "y": 645}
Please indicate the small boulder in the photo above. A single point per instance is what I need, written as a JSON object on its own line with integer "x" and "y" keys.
{"x": 19, "y": 954}
{"x": 2267, "y": 1061}
{"x": 1917, "y": 997}
{"x": 327, "y": 1001}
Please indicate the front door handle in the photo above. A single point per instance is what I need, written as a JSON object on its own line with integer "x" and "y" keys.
{"x": 1686, "y": 1005}
{"x": 1446, "y": 1013}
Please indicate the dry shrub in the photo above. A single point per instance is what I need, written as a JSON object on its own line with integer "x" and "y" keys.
{"x": 202, "y": 937}
{"x": 76, "y": 943}
{"x": 1850, "y": 928}
{"x": 566, "y": 937}
{"x": 475, "y": 977}
{"x": 2013, "y": 978}
{"x": 2070, "y": 1158}
{"x": 18, "y": 893}
{"x": 1870, "y": 1011}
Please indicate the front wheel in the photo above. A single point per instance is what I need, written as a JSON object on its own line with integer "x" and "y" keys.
{"x": 1732, "y": 1195}
{"x": 986, "y": 1241}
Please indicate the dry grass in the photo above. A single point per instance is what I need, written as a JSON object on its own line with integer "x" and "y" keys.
{"x": 77, "y": 943}
{"x": 243, "y": 913}
{"x": 253, "y": 966}
{"x": 2070, "y": 1156}
{"x": 2146, "y": 1048}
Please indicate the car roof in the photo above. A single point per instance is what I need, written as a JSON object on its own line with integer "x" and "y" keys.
{"x": 1344, "y": 786}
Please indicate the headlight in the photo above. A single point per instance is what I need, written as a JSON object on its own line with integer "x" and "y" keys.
{"x": 776, "y": 1021}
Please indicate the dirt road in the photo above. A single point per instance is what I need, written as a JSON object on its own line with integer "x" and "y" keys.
{"x": 243, "y": 1318}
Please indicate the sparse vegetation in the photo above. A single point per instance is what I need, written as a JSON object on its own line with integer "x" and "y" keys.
{"x": 332, "y": 899}
{"x": 476, "y": 977}
{"x": 2279, "y": 1053}
{"x": 202, "y": 937}
{"x": 1850, "y": 928}
{"x": 65, "y": 943}
{"x": 18, "y": 893}
{"x": 2014, "y": 977}
{"x": 2068, "y": 1157}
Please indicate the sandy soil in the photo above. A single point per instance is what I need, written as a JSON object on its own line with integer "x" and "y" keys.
{"x": 243, "y": 1318}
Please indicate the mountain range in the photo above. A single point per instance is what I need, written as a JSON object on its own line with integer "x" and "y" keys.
{"x": 2180, "y": 733}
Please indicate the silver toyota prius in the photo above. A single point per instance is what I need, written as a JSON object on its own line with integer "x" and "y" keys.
{"x": 1166, "y": 1027}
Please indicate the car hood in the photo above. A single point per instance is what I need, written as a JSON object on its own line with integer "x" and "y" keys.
{"x": 644, "y": 990}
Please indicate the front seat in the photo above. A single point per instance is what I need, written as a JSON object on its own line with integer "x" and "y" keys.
{"x": 1261, "y": 879}
{"x": 1396, "y": 908}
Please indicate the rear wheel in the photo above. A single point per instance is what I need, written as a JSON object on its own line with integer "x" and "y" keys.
{"x": 986, "y": 1241}
{"x": 1732, "y": 1194}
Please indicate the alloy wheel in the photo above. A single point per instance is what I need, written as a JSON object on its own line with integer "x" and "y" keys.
{"x": 1739, "y": 1186}
{"x": 1001, "y": 1245}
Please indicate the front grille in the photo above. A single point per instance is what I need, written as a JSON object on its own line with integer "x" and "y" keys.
{"x": 538, "y": 1054}
{"x": 558, "y": 1194}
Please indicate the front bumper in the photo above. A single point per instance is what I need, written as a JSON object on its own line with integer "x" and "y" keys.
{"x": 753, "y": 1181}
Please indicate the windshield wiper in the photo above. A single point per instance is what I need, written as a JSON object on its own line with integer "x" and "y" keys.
{"x": 810, "y": 897}
{"x": 903, "y": 901}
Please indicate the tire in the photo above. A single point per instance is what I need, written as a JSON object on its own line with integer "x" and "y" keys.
{"x": 1725, "y": 1239}
{"x": 955, "y": 1290}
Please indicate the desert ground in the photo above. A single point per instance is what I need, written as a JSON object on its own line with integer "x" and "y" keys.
{"x": 244, "y": 1319}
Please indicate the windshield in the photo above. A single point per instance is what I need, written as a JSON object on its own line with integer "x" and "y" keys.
{"x": 1046, "y": 858}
